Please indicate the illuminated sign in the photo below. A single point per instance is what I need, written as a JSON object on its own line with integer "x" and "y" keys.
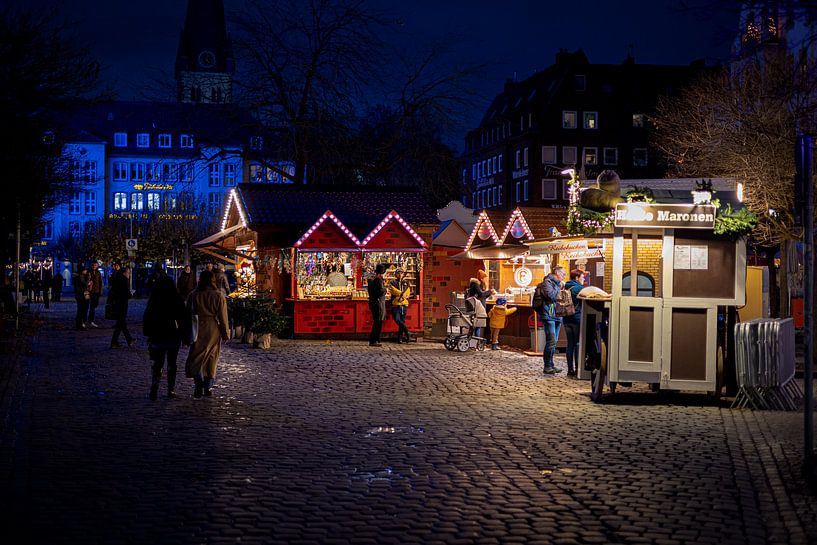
{"x": 148, "y": 187}
{"x": 564, "y": 246}
{"x": 686, "y": 216}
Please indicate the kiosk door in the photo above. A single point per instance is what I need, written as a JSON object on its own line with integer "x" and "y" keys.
{"x": 640, "y": 328}
{"x": 689, "y": 346}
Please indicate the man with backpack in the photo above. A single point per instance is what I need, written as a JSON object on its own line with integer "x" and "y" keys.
{"x": 544, "y": 303}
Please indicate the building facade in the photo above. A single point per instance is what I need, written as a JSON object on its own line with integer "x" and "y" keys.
{"x": 574, "y": 114}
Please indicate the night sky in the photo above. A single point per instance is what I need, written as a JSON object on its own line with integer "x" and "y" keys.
{"x": 137, "y": 41}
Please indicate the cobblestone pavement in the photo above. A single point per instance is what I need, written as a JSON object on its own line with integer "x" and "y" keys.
{"x": 336, "y": 442}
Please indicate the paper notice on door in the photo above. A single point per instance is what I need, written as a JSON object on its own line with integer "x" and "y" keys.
{"x": 681, "y": 258}
{"x": 699, "y": 258}
{"x": 600, "y": 269}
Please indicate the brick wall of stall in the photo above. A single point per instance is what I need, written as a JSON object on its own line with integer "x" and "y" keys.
{"x": 649, "y": 261}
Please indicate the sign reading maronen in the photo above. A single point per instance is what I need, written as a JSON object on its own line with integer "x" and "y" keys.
{"x": 683, "y": 216}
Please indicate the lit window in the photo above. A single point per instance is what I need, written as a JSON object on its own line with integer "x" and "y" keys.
{"x": 591, "y": 120}
{"x": 548, "y": 189}
{"x": 591, "y": 156}
{"x": 142, "y": 140}
{"x": 75, "y": 204}
{"x": 215, "y": 175}
{"x": 170, "y": 201}
{"x": 229, "y": 175}
{"x": 120, "y": 201}
{"x": 120, "y": 171}
{"x": 153, "y": 201}
{"x": 640, "y": 157}
{"x": 548, "y": 155}
{"x": 569, "y": 155}
{"x": 120, "y": 139}
{"x": 256, "y": 143}
{"x": 256, "y": 173}
{"x": 568, "y": 120}
{"x": 639, "y": 120}
{"x": 525, "y": 154}
{"x": 186, "y": 141}
{"x": 137, "y": 201}
{"x": 610, "y": 156}
{"x": 90, "y": 202}
{"x": 165, "y": 140}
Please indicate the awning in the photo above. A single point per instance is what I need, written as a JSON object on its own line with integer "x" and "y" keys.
{"x": 218, "y": 237}
{"x": 492, "y": 252}
{"x": 211, "y": 246}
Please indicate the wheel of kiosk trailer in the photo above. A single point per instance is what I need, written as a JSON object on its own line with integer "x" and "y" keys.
{"x": 598, "y": 376}
{"x": 463, "y": 344}
{"x": 450, "y": 343}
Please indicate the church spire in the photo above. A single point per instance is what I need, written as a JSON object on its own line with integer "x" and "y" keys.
{"x": 204, "y": 60}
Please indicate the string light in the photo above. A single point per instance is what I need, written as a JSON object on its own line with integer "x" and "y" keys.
{"x": 233, "y": 198}
{"x": 483, "y": 218}
{"x": 328, "y": 215}
{"x": 517, "y": 215}
{"x": 389, "y": 217}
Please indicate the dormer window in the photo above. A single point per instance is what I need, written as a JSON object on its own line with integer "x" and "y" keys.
{"x": 186, "y": 141}
{"x": 120, "y": 139}
{"x": 164, "y": 140}
{"x": 256, "y": 143}
{"x": 142, "y": 140}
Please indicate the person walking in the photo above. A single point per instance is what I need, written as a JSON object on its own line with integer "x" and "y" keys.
{"x": 45, "y": 282}
{"x": 186, "y": 282}
{"x": 118, "y": 296}
{"x": 549, "y": 290}
{"x": 573, "y": 322}
{"x": 82, "y": 295}
{"x": 209, "y": 304}
{"x": 96, "y": 291}
{"x": 400, "y": 291}
{"x": 377, "y": 303}
{"x": 221, "y": 280}
{"x": 56, "y": 288}
{"x": 161, "y": 325}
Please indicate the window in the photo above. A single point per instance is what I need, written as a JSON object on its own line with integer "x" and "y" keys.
{"x": 640, "y": 157}
{"x": 120, "y": 201}
{"x": 137, "y": 201}
{"x": 548, "y": 189}
{"x": 639, "y": 120}
{"x": 142, "y": 140}
{"x": 137, "y": 172}
{"x": 170, "y": 201}
{"x": 591, "y": 156}
{"x": 90, "y": 202}
{"x": 500, "y": 163}
{"x": 165, "y": 140}
{"x": 120, "y": 171}
{"x": 170, "y": 172}
{"x": 87, "y": 173}
{"x": 525, "y": 193}
{"x": 580, "y": 82}
{"x": 214, "y": 175}
{"x": 496, "y": 164}
{"x": 610, "y": 156}
{"x": 490, "y": 167}
{"x": 591, "y": 120}
{"x": 518, "y": 187}
{"x": 229, "y": 175}
{"x": 518, "y": 158}
{"x": 473, "y": 171}
{"x": 75, "y": 204}
{"x": 645, "y": 285}
{"x": 525, "y": 154}
{"x": 73, "y": 229}
{"x": 256, "y": 173}
{"x": 474, "y": 199}
{"x": 569, "y": 155}
{"x": 521, "y": 123}
{"x": 186, "y": 141}
{"x": 549, "y": 155}
{"x": 568, "y": 120}
{"x": 215, "y": 94}
{"x": 120, "y": 139}
{"x": 154, "y": 173}
{"x": 48, "y": 230}
{"x": 499, "y": 195}
{"x": 256, "y": 143}
{"x": 195, "y": 94}
{"x": 153, "y": 201}
{"x": 214, "y": 202}
{"x": 187, "y": 172}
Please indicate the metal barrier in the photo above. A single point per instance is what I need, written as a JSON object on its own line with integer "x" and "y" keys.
{"x": 764, "y": 357}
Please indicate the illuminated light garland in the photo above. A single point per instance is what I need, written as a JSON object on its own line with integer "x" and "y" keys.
{"x": 517, "y": 215}
{"x": 328, "y": 215}
{"x": 483, "y": 217}
{"x": 389, "y": 217}
{"x": 233, "y": 198}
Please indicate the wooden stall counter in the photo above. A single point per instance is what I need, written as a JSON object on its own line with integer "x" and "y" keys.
{"x": 328, "y": 316}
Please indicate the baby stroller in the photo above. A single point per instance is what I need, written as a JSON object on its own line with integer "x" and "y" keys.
{"x": 461, "y": 329}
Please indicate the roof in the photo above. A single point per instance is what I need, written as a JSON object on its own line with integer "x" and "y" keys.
{"x": 359, "y": 208}
{"x": 450, "y": 233}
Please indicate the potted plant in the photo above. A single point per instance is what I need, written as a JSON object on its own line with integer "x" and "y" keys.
{"x": 267, "y": 321}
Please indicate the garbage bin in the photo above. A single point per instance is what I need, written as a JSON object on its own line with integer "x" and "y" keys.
{"x": 537, "y": 343}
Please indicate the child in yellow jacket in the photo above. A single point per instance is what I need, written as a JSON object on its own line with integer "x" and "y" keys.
{"x": 496, "y": 320}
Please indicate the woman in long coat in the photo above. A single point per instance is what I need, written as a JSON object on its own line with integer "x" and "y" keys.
{"x": 209, "y": 304}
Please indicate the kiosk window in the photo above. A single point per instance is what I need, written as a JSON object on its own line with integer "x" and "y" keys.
{"x": 645, "y": 286}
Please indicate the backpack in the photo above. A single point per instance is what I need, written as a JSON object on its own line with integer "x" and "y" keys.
{"x": 539, "y": 299}
{"x": 564, "y": 304}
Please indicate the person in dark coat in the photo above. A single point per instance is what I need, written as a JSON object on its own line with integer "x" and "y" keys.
{"x": 118, "y": 296}
{"x": 551, "y": 286}
{"x": 478, "y": 288}
{"x": 96, "y": 292}
{"x": 186, "y": 282}
{"x": 82, "y": 294}
{"x": 377, "y": 303}
{"x": 221, "y": 280}
{"x": 45, "y": 284}
{"x": 56, "y": 288}
{"x": 573, "y": 322}
{"x": 161, "y": 324}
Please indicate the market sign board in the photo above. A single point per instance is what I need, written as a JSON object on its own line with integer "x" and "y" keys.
{"x": 563, "y": 246}
{"x": 683, "y": 216}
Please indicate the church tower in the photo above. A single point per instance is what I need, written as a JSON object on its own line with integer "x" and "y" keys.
{"x": 204, "y": 60}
